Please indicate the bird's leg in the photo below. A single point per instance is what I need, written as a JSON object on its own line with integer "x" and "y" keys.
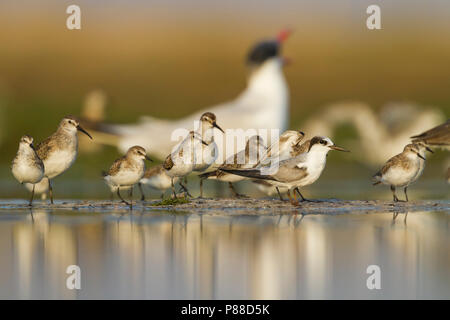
{"x": 201, "y": 188}
{"x": 173, "y": 189}
{"x": 291, "y": 200}
{"x": 50, "y": 190}
{"x": 32, "y": 195}
{"x": 142, "y": 191}
{"x": 112, "y": 196}
{"x": 235, "y": 193}
{"x": 406, "y": 194}
{"x": 303, "y": 198}
{"x": 393, "y": 193}
{"x": 186, "y": 191}
{"x": 120, "y": 197}
{"x": 131, "y": 197}
{"x": 279, "y": 194}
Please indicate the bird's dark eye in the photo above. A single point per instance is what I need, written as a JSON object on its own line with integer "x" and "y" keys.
{"x": 323, "y": 142}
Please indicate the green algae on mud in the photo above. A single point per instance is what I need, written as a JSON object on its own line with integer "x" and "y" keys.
{"x": 170, "y": 202}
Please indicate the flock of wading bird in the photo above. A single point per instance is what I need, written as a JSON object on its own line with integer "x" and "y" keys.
{"x": 294, "y": 163}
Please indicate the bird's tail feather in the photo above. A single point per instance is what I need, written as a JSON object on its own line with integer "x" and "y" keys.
{"x": 376, "y": 178}
{"x": 207, "y": 175}
{"x": 255, "y": 174}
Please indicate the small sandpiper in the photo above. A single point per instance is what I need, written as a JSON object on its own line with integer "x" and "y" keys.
{"x": 156, "y": 178}
{"x": 126, "y": 171}
{"x": 181, "y": 162}
{"x": 300, "y": 171}
{"x": 401, "y": 170}
{"x": 254, "y": 148}
{"x": 59, "y": 151}
{"x": 27, "y": 167}
{"x": 206, "y": 155}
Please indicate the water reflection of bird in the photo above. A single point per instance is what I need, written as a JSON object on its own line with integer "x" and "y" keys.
{"x": 264, "y": 104}
{"x": 380, "y": 136}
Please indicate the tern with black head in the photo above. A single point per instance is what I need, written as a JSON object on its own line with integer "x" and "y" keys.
{"x": 300, "y": 171}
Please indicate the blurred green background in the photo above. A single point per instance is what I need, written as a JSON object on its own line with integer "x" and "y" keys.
{"x": 169, "y": 58}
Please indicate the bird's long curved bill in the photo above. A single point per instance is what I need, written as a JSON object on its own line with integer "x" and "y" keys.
{"x": 429, "y": 150}
{"x": 79, "y": 128}
{"x": 148, "y": 158}
{"x": 339, "y": 149}
{"x": 215, "y": 125}
{"x": 421, "y": 157}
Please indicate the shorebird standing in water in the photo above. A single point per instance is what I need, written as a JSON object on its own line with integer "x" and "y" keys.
{"x": 401, "y": 170}
{"x": 247, "y": 158}
{"x": 27, "y": 167}
{"x": 181, "y": 162}
{"x": 299, "y": 171}
{"x": 206, "y": 155}
{"x": 156, "y": 178}
{"x": 59, "y": 151}
{"x": 126, "y": 171}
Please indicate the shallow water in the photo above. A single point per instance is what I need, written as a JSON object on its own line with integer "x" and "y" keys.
{"x": 167, "y": 255}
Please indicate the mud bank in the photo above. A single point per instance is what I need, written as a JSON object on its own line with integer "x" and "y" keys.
{"x": 236, "y": 206}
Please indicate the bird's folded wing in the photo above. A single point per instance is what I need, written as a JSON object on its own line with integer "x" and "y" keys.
{"x": 115, "y": 167}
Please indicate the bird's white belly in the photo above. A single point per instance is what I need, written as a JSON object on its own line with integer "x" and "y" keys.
{"x": 24, "y": 173}
{"x": 58, "y": 162}
{"x": 205, "y": 157}
{"x": 160, "y": 181}
{"x": 315, "y": 168}
{"x": 127, "y": 177}
{"x": 399, "y": 177}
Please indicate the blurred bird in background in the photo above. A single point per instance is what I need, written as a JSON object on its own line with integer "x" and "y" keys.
{"x": 380, "y": 136}
{"x": 264, "y": 104}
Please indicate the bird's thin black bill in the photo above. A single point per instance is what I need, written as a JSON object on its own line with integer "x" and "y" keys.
{"x": 79, "y": 128}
